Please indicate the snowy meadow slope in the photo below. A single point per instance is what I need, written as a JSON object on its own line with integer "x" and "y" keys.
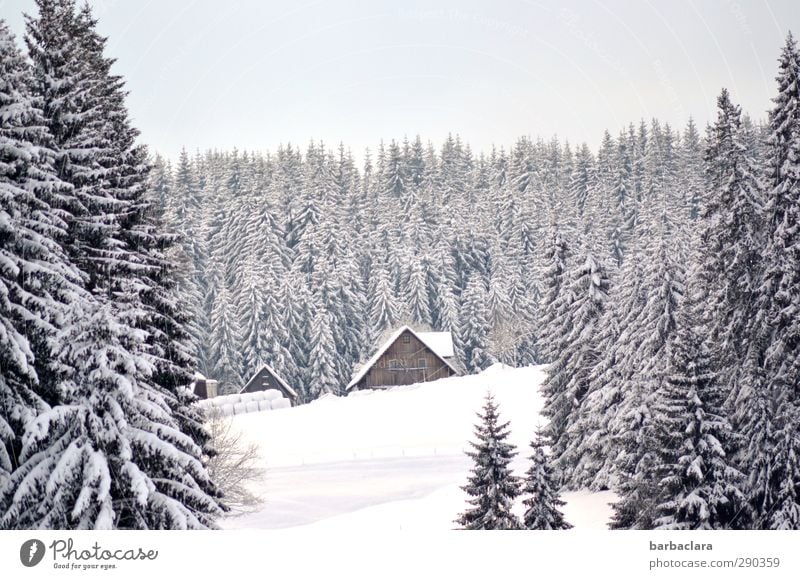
{"x": 391, "y": 459}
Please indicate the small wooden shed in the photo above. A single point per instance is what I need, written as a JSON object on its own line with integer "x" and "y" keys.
{"x": 203, "y": 387}
{"x": 267, "y": 379}
{"x": 407, "y": 357}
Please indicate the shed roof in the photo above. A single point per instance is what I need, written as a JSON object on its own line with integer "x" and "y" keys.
{"x": 274, "y": 374}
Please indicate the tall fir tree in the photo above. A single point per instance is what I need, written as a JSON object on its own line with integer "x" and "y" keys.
{"x": 732, "y": 243}
{"x": 37, "y": 280}
{"x": 772, "y": 416}
{"x": 556, "y": 300}
{"x": 567, "y": 382}
{"x": 120, "y": 361}
{"x": 225, "y": 342}
{"x": 491, "y": 485}
{"x": 699, "y": 487}
{"x": 322, "y": 377}
{"x": 472, "y": 335}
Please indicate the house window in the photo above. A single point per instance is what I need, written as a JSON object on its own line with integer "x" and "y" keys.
{"x": 394, "y": 363}
{"x": 422, "y": 363}
{"x": 406, "y": 339}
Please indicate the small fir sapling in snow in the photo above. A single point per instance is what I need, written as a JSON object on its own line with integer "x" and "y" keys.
{"x": 542, "y": 505}
{"x": 491, "y": 485}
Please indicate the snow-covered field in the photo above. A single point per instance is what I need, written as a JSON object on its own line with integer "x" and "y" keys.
{"x": 391, "y": 459}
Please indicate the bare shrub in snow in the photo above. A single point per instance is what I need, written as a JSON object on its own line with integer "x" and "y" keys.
{"x": 235, "y": 466}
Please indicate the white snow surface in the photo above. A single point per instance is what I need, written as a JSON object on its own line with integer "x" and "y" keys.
{"x": 393, "y": 459}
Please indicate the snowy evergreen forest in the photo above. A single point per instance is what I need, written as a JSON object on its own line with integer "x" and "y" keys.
{"x": 659, "y": 276}
{"x": 675, "y": 370}
{"x": 303, "y": 260}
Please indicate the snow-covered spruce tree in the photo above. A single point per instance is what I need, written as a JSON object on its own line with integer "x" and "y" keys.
{"x": 384, "y": 310}
{"x": 441, "y": 290}
{"x": 168, "y": 343}
{"x": 567, "y": 379}
{"x": 491, "y": 485}
{"x": 773, "y": 413}
{"x": 416, "y": 293}
{"x": 556, "y": 300}
{"x": 595, "y": 451}
{"x": 182, "y": 218}
{"x": 298, "y": 312}
{"x": 84, "y": 111}
{"x": 507, "y": 326}
{"x": 145, "y": 294}
{"x": 580, "y": 179}
{"x": 621, "y": 200}
{"x": 328, "y": 296}
{"x": 351, "y": 321}
{"x": 251, "y": 313}
{"x": 473, "y": 329}
{"x": 542, "y": 501}
{"x": 36, "y": 278}
{"x": 114, "y": 237}
{"x": 732, "y": 245}
{"x": 632, "y": 427}
{"x": 606, "y": 439}
{"x": 264, "y": 334}
{"x": 226, "y": 340}
{"x": 699, "y": 488}
{"x": 160, "y": 183}
{"x": 110, "y": 455}
{"x": 322, "y": 377}
{"x": 692, "y": 182}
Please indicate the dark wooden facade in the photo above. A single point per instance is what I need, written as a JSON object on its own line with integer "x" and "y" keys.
{"x": 266, "y": 379}
{"x": 205, "y": 388}
{"x": 406, "y": 361}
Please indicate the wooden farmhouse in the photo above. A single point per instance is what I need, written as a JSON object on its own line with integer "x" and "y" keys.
{"x": 267, "y": 379}
{"x": 407, "y": 357}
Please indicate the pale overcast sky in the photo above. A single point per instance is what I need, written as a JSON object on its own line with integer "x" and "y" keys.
{"x": 253, "y": 74}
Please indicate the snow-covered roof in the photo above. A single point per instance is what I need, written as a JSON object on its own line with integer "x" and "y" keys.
{"x": 440, "y": 343}
{"x": 272, "y": 371}
{"x": 198, "y": 376}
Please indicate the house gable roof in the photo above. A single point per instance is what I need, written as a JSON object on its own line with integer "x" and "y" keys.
{"x": 440, "y": 342}
{"x": 274, "y": 374}
{"x": 434, "y": 341}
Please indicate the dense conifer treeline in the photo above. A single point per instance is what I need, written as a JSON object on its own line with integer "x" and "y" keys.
{"x": 302, "y": 261}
